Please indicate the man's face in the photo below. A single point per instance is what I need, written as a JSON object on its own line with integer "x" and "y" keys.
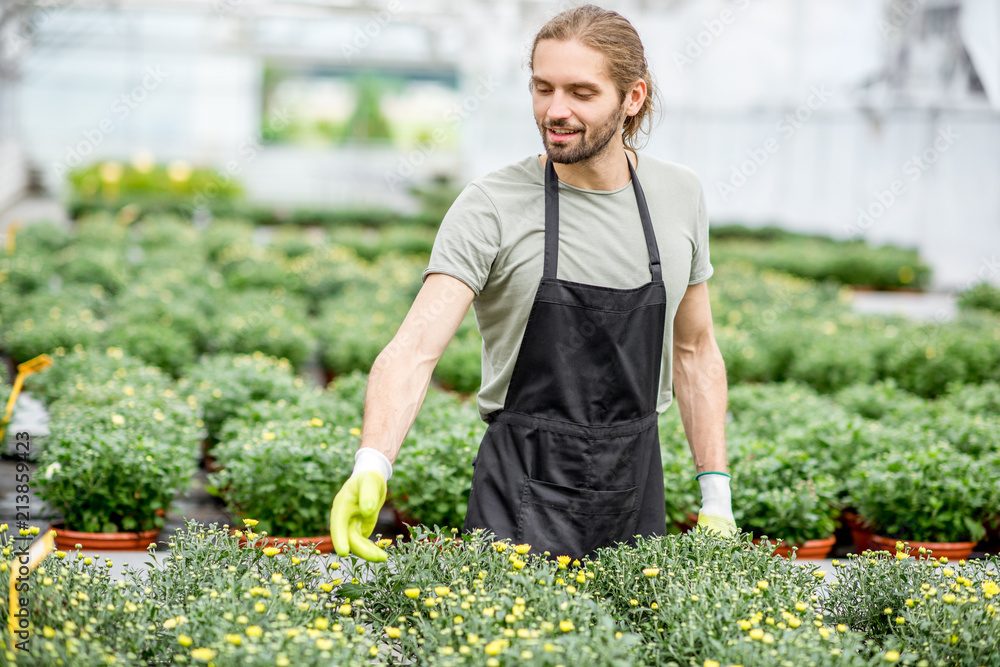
{"x": 577, "y": 107}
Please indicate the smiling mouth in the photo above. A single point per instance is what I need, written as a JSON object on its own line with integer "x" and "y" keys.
{"x": 561, "y": 133}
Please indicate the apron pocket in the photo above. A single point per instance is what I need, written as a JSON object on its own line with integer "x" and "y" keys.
{"x": 566, "y": 521}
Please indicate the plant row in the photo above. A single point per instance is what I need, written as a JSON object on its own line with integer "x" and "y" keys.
{"x": 691, "y": 600}
{"x": 168, "y": 292}
{"x": 912, "y": 468}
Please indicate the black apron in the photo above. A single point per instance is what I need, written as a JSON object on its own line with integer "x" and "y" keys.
{"x": 572, "y": 461}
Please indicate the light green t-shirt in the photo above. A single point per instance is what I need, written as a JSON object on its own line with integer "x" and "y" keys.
{"x": 493, "y": 238}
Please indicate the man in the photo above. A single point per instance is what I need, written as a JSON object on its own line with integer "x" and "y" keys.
{"x": 589, "y": 301}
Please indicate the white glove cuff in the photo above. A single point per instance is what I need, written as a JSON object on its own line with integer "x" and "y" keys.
{"x": 366, "y": 459}
{"x": 715, "y": 489}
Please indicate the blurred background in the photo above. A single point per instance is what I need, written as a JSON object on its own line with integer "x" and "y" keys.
{"x": 873, "y": 119}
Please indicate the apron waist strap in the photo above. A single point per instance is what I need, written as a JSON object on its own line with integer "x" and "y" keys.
{"x": 571, "y": 428}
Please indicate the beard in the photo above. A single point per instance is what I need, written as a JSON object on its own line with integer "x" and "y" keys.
{"x": 591, "y": 142}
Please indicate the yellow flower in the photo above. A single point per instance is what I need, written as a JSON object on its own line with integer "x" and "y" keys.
{"x": 756, "y": 633}
{"x": 393, "y": 633}
{"x": 268, "y": 435}
{"x": 494, "y": 647}
{"x": 324, "y": 644}
{"x": 384, "y": 542}
{"x": 184, "y": 641}
{"x": 259, "y": 607}
{"x": 441, "y": 590}
{"x": 563, "y": 562}
{"x": 745, "y": 625}
{"x": 841, "y": 627}
{"x": 900, "y": 620}
{"x": 948, "y": 598}
{"x": 824, "y": 632}
{"x": 271, "y": 552}
{"x": 522, "y": 549}
{"x": 315, "y": 421}
{"x": 651, "y": 571}
{"x": 793, "y": 622}
{"x": 321, "y": 623}
{"x": 990, "y": 588}
{"x": 282, "y": 661}
{"x": 355, "y": 431}
{"x": 566, "y": 626}
{"x": 344, "y": 610}
{"x": 711, "y": 663}
{"x": 204, "y": 654}
{"x": 412, "y": 593}
{"x": 763, "y": 584}
{"x": 235, "y": 640}
{"x": 254, "y": 631}
{"x": 801, "y": 606}
{"x": 892, "y": 656}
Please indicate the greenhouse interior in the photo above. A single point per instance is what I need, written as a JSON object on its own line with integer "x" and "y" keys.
{"x": 253, "y": 250}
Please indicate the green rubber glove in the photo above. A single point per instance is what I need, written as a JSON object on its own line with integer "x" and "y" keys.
{"x": 354, "y": 515}
{"x": 716, "y": 514}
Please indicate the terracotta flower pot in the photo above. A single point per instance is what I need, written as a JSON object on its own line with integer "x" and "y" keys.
{"x": 322, "y": 542}
{"x": 68, "y": 539}
{"x": 861, "y": 532}
{"x": 808, "y": 550}
{"x": 952, "y": 550}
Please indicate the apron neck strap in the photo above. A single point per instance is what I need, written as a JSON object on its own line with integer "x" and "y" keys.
{"x": 551, "y": 261}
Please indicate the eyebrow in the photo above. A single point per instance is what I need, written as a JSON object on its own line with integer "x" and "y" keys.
{"x": 575, "y": 84}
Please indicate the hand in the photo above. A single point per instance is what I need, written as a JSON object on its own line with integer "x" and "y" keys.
{"x": 716, "y": 514}
{"x": 354, "y": 515}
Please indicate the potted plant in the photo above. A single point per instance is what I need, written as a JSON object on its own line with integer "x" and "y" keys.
{"x": 284, "y": 474}
{"x": 222, "y": 384}
{"x": 680, "y": 489}
{"x": 785, "y": 493}
{"x": 431, "y": 479}
{"x": 112, "y": 470}
{"x": 931, "y": 496}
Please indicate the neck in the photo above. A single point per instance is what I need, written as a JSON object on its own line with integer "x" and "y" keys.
{"x": 604, "y": 171}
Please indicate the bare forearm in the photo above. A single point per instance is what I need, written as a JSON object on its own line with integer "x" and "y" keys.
{"x": 399, "y": 378}
{"x": 396, "y": 390}
{"x": 702, "y": 396}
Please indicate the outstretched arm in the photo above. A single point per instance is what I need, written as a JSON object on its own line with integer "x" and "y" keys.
{"x": 397, "y": 386}
{"x": 402, "y": 371}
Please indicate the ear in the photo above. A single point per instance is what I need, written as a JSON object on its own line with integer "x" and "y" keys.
{"x": 635, "y": 98}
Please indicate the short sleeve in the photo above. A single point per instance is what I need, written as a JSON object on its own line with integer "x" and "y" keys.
{"x": 701, "y": 265}
{"x": 468, "y": 240}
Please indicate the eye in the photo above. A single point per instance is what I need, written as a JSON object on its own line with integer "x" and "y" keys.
{"x": 584, "y": 96}
{"x": 542, "y": 90}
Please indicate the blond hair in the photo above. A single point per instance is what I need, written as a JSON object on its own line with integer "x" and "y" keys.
{"x": 610, "y": 33}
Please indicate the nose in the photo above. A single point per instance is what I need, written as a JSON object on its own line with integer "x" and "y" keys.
{"x": 558, "y": 108}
